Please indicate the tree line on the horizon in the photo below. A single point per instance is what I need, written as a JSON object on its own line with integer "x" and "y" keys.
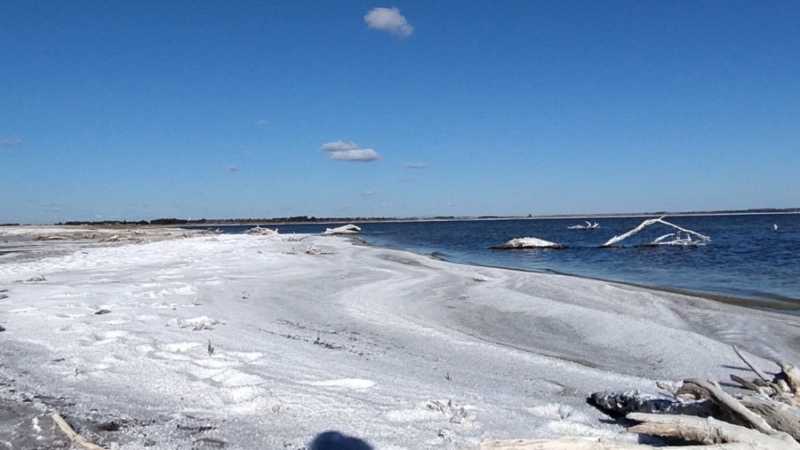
{"x": 313, "y": 219}
{"x": 176, "y": 221}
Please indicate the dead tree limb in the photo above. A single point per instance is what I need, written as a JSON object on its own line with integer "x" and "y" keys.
{"x": 709, "y": 431}
{"x": 584, "y": 443}
{"x": 76, "y": 439}
{"x": 562, "y": 443}
{"x": 704, "y": 389}
{"x": 615, "y": 239}
{"x": 778, "y": 415}
{"x": 755, "y": 369}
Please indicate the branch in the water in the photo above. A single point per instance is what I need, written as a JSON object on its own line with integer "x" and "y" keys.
{"x": 661, "y": 240}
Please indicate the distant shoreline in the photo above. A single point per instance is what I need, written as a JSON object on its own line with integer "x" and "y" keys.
{"x": 482, "y": 218}
{"x": 175, "y": 222}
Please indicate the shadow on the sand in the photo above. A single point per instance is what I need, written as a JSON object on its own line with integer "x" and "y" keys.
{"x": 333, "y": 440}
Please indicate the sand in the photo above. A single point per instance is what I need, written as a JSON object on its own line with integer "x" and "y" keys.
{"x": 252, "y": 342}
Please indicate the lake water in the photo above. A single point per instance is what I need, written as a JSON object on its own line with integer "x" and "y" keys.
{"x": 745, "y": 258}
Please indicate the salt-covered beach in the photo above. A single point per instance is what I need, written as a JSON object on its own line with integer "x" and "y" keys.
{"x": 253, "y": 342}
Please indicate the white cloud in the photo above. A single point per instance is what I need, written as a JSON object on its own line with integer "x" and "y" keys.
{"x": 415, "y": 165}
{"x": 261, "y": 122}
{"x": 11, "y": 142}
{"x": 338, "y": 146}
{"x": 358, "y": 154}
{"x": 349, "y": 151}
{"x": 389, "y": 19}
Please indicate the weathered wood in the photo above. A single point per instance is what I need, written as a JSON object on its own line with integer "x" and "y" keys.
{"x": 778, "y": 415}
{"x": 707, "y": 390}
{"x": 619, "y": 404}
{"x": 752, "y": 367}
{"x": 616, "y": 239}
{"x": 76, "y": 439}
{"x": 791, "y": 374}
{"x": 746, "y": 384}
{"x": 709, "y": 431}
{"x": 584, "y": 443}
{"x": 563, "y": 443}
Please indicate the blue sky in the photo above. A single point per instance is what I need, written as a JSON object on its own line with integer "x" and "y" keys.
{"x": 145, "y": 109}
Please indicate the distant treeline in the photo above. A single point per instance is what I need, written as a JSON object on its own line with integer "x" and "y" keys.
{"x": 293, "y": 219}
{"x": 729, "y": 211}
{"x": 312, "y": 219}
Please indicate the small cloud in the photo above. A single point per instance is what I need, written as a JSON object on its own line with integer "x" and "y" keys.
{"x": 349, "y": 151}
{"x": 338, "y": 146}
{"x": 367, "y": 194}
{"x": 232, "y": 168}
{"x": 11, "y": 142}
{"x": 389, "y": 19}
{"x": 359, "y": 154}
{"x": 415, "y": 165}
{"x": 261, "y": 122}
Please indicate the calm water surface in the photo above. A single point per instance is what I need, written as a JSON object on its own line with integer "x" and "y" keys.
{"x": 745, "y": 257}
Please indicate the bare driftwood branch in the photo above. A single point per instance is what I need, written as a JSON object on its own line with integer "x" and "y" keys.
{"x": 745, "y": 384}
{"x": 767, "y": 420}
{"x": 563, "y": 443}
{"x": 778, "y": 415}
{"x": 752, "y": 367}
{"x": 584, "y": 443}
{"x": 709, "y": 431}
{"x": 660, "y": 240}
{"x": 705, "y": 389}
{"x": 760, "y": 388}
{"x": 76, "y": 439}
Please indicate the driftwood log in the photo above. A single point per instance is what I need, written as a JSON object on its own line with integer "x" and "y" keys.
{"x": 76, "y": 439}
{"x": 700, "y": 413}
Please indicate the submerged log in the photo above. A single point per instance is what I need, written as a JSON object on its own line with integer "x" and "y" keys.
{"x": 526, "y": 242}
{"x": 344, "y": 229}
{"x": 257, "y": 230}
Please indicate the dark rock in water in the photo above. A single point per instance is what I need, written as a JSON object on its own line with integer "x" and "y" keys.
{"x": 2, "y": 329}
{"x": 102, "y": 311}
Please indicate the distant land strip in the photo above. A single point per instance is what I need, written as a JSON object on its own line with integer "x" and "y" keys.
{"x": 306, "y": 219}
